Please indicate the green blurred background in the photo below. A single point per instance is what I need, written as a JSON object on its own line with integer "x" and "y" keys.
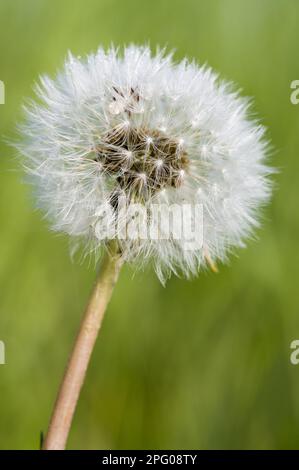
{"x": 201, "y": 364}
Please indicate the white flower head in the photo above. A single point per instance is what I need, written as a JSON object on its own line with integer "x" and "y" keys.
{"x": 141, "y": 127}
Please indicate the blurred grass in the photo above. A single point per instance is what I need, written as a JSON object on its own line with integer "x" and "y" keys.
{"x": 201, "y": 364}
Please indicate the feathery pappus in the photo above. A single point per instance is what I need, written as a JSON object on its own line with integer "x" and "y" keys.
{"x": 135, "y": 125}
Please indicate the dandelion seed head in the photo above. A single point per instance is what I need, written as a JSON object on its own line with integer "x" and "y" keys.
{"x": 141, "y": 125}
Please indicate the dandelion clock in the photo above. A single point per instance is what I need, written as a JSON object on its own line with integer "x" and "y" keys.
{"x": 140, "y": 160}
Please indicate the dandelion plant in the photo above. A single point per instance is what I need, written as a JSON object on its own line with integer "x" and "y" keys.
{"x": 131, "y": 128}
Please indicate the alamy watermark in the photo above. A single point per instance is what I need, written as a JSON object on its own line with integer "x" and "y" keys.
{"x": 135, "y": 221}
{"x": 294, "y": 97}
{"x": 2, "y": 353}
{"x": 2, "y": 92}
{"x": 294, "y": 356}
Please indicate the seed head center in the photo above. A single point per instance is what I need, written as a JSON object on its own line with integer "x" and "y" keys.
{"x": 142, "y": 161}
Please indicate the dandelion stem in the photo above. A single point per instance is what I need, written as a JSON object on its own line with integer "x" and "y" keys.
{"x": 76, "y": 369}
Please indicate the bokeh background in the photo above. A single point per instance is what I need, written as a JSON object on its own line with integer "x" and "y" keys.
{"x": 202, "y": 364}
